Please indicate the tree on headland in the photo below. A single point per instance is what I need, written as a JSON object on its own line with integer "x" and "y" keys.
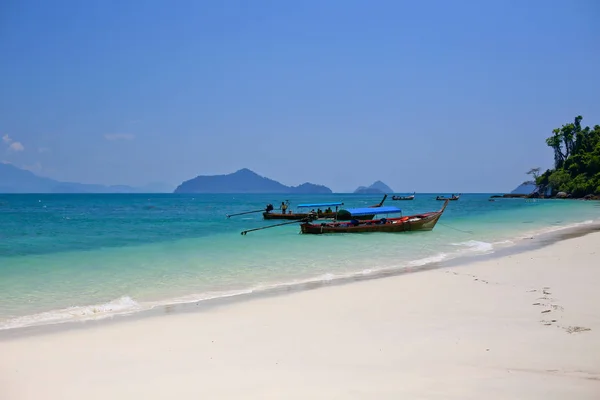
{"x": 535, "y": 172}
{"x": 576, "y": 161}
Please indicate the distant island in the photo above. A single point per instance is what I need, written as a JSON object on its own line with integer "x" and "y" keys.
{"x": 376, "y": 188}
{"x": 245, "y": 181}
{"x": 17, "y": 180}
{"x": 524, "y": 188}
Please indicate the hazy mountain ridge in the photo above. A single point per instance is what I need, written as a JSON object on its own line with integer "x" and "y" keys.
{"x": 17, "y": 180}
{"x": 245, "y": 181}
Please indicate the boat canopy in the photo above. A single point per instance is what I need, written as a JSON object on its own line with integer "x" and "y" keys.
{"x": 357, "y": 212}
{"x": 313, "y": 205}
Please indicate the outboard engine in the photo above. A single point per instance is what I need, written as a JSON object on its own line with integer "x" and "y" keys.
{"x": 269, "y": 208}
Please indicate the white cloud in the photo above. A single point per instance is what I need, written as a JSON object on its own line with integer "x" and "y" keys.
{"x": 16, "y": 146}
{"x": 12, "y": 145}
{"x": 119, "y": 136}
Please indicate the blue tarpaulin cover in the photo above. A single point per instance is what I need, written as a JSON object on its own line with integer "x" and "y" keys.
{"x": 375, "y": 210}
{"x": 313, "y": 205}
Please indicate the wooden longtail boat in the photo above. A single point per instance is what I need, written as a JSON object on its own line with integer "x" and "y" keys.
{"x": 322, "y": 215}
{"x": 411, "y": 197}
{"x": 453, "y": 198}
{"x": 301, "y": 215}
{"x": 418, "y": 222}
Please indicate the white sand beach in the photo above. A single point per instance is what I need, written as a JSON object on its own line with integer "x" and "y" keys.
{"x": 525, "y": 326}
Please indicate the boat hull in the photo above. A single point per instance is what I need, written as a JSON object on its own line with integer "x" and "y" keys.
{"x": 420, "y": 222}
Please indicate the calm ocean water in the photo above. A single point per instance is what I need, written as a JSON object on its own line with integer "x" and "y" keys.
{"x": 78, "y": 257}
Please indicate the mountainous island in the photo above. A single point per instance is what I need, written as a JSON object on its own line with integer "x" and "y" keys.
{"x": 245, "y": 181}
{"x": 17, "y": 180}
{"x": 376, "y": 188}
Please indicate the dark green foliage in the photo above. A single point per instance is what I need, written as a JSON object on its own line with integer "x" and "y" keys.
{"x": 576, "y": 160}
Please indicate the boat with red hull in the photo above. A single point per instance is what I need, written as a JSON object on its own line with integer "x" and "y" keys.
{"x": 417, "y": 222}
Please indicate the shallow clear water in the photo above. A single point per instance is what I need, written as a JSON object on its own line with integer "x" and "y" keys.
{"x": 69, "y": 257}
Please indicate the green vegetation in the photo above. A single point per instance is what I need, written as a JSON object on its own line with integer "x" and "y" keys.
{"x": 576, "y": 161}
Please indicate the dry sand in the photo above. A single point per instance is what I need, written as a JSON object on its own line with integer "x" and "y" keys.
{"x": 525, "y": 326}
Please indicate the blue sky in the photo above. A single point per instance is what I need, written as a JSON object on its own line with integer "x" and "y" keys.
{"x": 427, "y": 96}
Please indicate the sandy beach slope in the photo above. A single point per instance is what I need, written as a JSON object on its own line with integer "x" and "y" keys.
{"x": 525, "y": 326}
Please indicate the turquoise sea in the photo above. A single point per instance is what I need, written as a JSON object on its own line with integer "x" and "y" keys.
{"x": 80, "y": 257}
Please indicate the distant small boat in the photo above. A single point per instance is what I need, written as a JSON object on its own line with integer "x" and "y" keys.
{"x": 442, "y": 198}
{"x": 411, "y": 197}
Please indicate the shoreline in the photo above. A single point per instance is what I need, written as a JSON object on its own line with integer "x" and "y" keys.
{"x": 243, "y": 295}
{"x": 525, "y": 325}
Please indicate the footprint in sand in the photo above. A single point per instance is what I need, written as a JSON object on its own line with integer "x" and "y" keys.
{"x": 576, "y": 329}
{"x": 550, "y": 299}
{"x": 483, "y": 280}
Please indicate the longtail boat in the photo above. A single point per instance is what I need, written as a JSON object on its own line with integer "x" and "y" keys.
{"x": 337, "y": 214}
{"x": 302, "y": 215}
{"x": 418, "y": 222}
{"x": 442, "y": 198}
{"x": 411, "y": 197}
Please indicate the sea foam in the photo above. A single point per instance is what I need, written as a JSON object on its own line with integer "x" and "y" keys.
{"x": 555, "y": 228}
{"x": 476, "y": 246}
{"x": 122, "y": 305}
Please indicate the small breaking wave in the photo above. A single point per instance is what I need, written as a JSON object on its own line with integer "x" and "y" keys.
{"x": 428, "y": 260}
{"x": 555, "y": 228}
{"x": 503, "y": 242}
{"x": 476, "y": 246}
{"x": 122, "y": 305}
